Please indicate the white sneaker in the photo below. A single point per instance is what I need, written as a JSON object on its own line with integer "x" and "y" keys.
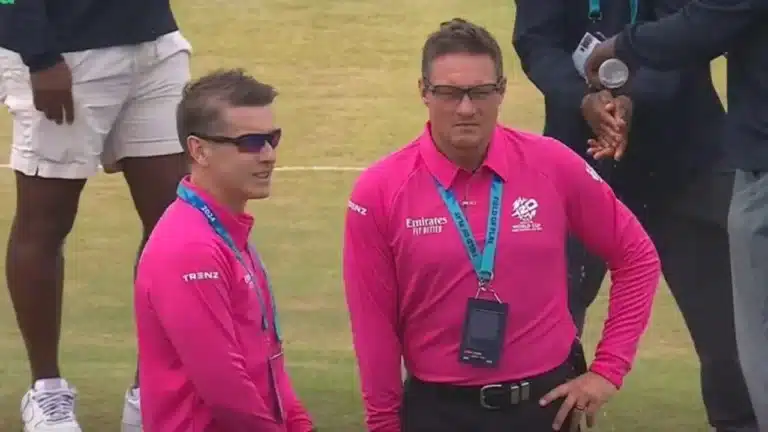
{"x": 49, "y": 406}
{"x": 131, "y": 412}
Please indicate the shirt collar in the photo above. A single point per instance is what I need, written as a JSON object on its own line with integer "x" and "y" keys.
{"x": 446, "y": 171}
{"x": 237, "y": 225}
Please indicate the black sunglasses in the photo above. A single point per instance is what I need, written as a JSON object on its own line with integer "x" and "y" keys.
{"x": 252, "y": 143}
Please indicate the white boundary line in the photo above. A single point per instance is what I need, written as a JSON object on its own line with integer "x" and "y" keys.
{"x": 287, "y": 168}
{"x": 318, "y": 168}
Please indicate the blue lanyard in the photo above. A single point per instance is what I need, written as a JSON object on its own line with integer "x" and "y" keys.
{"x": 482, "y": 263}
{"x": 595, "y": 14}
{"x": 190, "y": 197}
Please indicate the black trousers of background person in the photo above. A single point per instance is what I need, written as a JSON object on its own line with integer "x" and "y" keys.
{"x": 435, "y": 408}
{"x": 690, "y": 233}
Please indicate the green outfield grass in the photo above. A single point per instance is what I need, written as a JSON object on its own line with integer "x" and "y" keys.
{"x": 347, "y": 72}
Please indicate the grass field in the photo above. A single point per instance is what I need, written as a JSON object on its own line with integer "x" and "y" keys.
{"x": 347, "y": 73}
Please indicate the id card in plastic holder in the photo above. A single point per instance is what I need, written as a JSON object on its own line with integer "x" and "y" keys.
{"x": 485, "y": 324}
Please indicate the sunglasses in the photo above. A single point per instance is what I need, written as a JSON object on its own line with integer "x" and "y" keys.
{"x": 250, "y": 143}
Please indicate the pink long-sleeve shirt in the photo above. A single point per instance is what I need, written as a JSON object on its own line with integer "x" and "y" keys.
{"x": 202, "y": 350}
{"x": 408, "y": 276}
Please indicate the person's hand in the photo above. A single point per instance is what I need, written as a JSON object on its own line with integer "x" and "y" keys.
{"x": 602, "y": 146}
{"x": 584, "y": 396}
{"x": 600, "y": 149}
{"x": 52, "y": 93}
{"x": 599, "y": 112}
{"x": 604, "y": 51}
{"x": 623, "y": 111}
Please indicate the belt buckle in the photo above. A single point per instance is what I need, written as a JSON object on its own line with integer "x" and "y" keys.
{"x": 483, "y": 402}
{"x": 520, "y": 392}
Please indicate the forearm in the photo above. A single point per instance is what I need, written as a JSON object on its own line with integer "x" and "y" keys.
{"x": 379, "y": 355}
{"x": 28, "y": 32}
{"x": 650, "y": 87}
{"x": 696, "y": 34}
{"x": 376, "y": 343}
{"x": 382, "y": 388}
{"x": 222, "y": 382}
{"x": 635, "y": 278}
{"x": 196, "y": 318}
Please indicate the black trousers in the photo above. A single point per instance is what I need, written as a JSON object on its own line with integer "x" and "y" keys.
{"x": 431, "y": 407}
{"x": 690, "y": 234}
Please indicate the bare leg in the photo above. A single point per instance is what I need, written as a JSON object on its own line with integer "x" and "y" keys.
{"x": 45, "y": 213}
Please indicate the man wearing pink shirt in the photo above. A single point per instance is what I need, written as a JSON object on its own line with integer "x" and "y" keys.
{"x": 454, "y": 260}
{"x": 211, "y": 357}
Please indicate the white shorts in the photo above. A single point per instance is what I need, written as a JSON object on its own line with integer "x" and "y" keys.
{"x": 125, "y": 106}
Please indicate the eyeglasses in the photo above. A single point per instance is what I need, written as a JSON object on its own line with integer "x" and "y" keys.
{"x": 476, "y": 93}
{"x": 251, "y": 143}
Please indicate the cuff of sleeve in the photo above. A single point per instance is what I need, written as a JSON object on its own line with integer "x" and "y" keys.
{"x": 43, "y": 61}
{"x": 610, "y": 370}
{"x": 623, "y": 48}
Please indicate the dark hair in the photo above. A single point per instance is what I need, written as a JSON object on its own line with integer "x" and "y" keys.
{"x": 199, "y": 111}
{"x": 460, "y": 36}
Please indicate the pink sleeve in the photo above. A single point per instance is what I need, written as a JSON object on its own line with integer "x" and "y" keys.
{"x": 297, "y": 417}
{"x": 196, "y": 315}
{"x": 611, "y": 231}
{"x": 371, "y": 292}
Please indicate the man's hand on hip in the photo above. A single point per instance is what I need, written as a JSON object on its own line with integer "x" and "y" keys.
{"x": 583, "y": 396}
{"x": 52, "y": 93}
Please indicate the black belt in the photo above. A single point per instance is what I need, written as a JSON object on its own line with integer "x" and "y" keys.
{"x": 499, "y": 395}
{"x": 506, "y": 394}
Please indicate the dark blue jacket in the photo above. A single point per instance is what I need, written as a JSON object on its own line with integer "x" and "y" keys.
{"x": 40, "y": 30}
{"x": 677, "y": 119}
{"x": 702, "y": 30}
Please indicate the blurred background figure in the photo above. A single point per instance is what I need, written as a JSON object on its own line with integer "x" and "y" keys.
{"x": 669, "y": 169}
{"x": 88, "y": 82}
{"x": 694, "y": 35}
